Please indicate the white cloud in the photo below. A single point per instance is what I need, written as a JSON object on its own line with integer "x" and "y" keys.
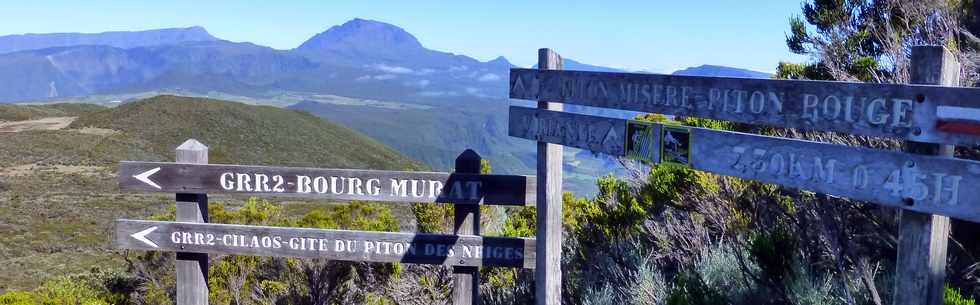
{"x": 363, "y": 78}
{"x": 392, "y": 69}
{"x": 438, "y": 93}
{"x": 489, "y": 77}
{"x": 419, "y": 83}
{"x": 384, "y": 77}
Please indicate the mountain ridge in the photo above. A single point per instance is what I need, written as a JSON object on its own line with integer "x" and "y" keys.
{"x": 119, "y": 39}
{"x": 360, "y": 58}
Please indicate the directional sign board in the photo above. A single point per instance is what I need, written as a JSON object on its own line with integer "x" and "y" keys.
{"x": 929, "y": 184}
{"x": 455, "y": 250}
{"x": 344, "y": 184}
{"x": 915, "y": 112}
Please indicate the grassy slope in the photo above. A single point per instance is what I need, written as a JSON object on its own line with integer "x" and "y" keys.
{"x": 9, "y": 112}
{"x": 58, "y": 193}
{"x": 238, "y": 133}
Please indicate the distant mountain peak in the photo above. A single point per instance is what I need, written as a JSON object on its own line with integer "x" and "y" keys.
{"x": 500, "y": 61}
{"x": 363, "y": 35}
{"x": 721, "y": 71}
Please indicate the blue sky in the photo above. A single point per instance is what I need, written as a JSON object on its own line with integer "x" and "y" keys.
{"x": 659, "y": 36}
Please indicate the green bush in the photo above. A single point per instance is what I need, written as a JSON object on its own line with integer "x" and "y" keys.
{"x": 690, "y": 289}
{"x": 17, "y": 298}
{"x": 357, "y": 215}
{"x": 951, "y": 296}
{"x": 774, "y": 252}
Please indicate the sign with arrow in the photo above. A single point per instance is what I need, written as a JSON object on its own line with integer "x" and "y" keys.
{"x": 417, "y": 248}
{"x": 932, "y": 114}
{"x": 928, "y": 184}
{"x": 343, "y": 184}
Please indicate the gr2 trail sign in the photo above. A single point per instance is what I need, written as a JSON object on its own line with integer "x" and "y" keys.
{"x": 914, "y": 112}
{"x": 191, "y": 178}
{"x": 433, "y": 249}
{"x": 342, "y": 184}
{"x": 925, "y": 182}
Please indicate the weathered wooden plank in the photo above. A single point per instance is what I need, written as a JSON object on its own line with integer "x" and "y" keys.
{"x": 923, "y": 238}
{"x": 549, "y": 223}
{"x": 927, "y": 184}
{"x": 885, "y": 110}
{"x": 594, "y": 133}
{"x": 192, "y": 268}
{"x": 342, "y": 184}
{"x": 453, "y": 250}
{"x": 466, "y": 221}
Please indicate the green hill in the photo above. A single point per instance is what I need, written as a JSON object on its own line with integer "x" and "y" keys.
{"x": 246, "y": 134}
{"x": 58, "y": 189}
{"x": 9, "y": 112}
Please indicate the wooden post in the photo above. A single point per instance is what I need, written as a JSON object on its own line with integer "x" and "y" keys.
{"x": 466, "y": 279}
{"x": 922, "y": 238}
{"x": 547, "y": 275}
{"x": 192, "y": 268}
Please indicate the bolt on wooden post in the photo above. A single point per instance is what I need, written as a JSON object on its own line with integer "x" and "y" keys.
{"x": 466, "y": 279}
{"x": 192, "y": 268}
{"x": 922, "y": 237}
{"x": 548, "y": 274}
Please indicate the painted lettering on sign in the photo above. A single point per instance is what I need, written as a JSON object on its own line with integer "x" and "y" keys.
{"x": 330, "y": 183}
{"x": 582, "y": 131}
{"x": 887, "y": 111}
{"x": 922, "y": 183}
{"x": 334, "y": 244}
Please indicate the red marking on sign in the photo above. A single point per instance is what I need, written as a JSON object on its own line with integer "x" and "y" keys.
{"x": 959, "y": 127}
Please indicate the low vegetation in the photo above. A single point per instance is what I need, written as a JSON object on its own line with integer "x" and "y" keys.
{"x": 10, "y": 112}
{"x": 58, "y": 190}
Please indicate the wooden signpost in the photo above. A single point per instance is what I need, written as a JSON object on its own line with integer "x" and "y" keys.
{"x": 341, "y": 184}
{"x": 926, "y": 182}
{"x": 365, "y": 246}
{"x": 932, "y": 114}
{"x": 192, "y": 178}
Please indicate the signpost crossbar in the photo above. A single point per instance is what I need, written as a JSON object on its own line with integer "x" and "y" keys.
{"x": 929, "y": 184}
{"x": 340, "y": 184}
{"x": 923, "y": 113}
{"x": 418, "y": 248}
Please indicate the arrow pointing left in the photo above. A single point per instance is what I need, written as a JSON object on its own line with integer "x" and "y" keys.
{"x": 141, "y": 236}
{"x": 145, "y": 177}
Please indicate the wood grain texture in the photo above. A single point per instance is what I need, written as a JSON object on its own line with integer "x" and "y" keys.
{"x": 928, "y": 184}
{"x": 883, "y": 110}
{"x": 341, "y": 184}
{"x": 192, "y": 268}
{"x": 420, "y": 248}
{"x": 922, "y": 237}
{"x": 549, "y": 213}
{"x": 466, "y": 221}
{"x": 598, "y": 134}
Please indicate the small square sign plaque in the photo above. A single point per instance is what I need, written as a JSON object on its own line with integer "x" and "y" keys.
{"x": 640, "y": 137}
{"x": 675, "y": 145}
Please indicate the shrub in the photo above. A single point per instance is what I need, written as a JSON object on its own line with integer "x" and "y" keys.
{"x": 774, "y": 252}
{"x": 951, "y": 296}
{"x": 690, "y": 289}
{"x": 17, "y": 298}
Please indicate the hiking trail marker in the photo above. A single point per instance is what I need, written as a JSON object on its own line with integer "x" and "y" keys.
{"x": 340, "y": 184}
{"x": 192, "y": 178}
{"x": 926, "y": 187}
